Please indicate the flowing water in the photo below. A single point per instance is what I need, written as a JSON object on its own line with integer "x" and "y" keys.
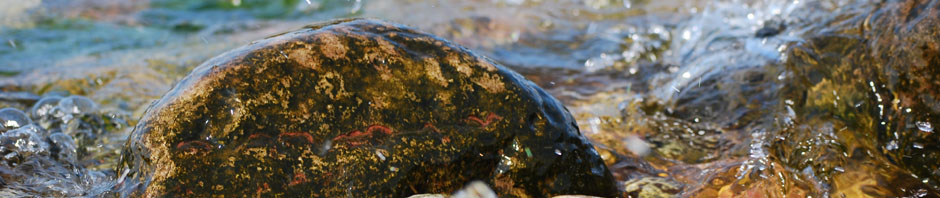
{"x": 723, "y": 98}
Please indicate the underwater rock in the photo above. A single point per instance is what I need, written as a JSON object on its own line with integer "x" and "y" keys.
{"x": 873, "y": 81}
{"x": 357, "y": 107}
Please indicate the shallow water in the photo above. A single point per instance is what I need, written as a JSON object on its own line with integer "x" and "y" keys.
{"x": 718, "y": 98}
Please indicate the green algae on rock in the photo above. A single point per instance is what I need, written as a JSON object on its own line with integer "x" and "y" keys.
{"x": 357, "y": 107}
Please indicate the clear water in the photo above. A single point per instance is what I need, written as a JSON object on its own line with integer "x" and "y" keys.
{"x": 729, "y": 98}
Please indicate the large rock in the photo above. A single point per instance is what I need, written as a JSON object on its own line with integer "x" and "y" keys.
{"x": 357, "y": 108}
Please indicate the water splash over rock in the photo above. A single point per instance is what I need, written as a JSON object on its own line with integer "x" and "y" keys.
{"x": 41, "y": 156}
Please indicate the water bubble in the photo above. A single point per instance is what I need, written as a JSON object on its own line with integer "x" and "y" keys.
{"x": 924, "y": 126}
{"x": 40, "y": 147}
{"x": 77, "y": 105}
{"x": 20, "y": 144}
{"x": 44, "y": 107}
{"x": 66, "y": 147}
{"x": 44, "y": 111}
{"x": 11, "y": 118}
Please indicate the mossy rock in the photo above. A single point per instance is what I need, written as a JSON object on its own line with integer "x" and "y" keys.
{"x": 359, "y": 108}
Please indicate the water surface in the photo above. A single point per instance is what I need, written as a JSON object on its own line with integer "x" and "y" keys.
{"x": 729, "y": 98}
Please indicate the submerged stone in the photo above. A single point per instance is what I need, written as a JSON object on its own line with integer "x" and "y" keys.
{"x": 357, "y": 108}
{"x": 870, "y": 85}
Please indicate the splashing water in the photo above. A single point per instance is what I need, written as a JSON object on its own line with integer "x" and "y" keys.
{"x": 53, "y": 155}
{"x": 753, "y": 97}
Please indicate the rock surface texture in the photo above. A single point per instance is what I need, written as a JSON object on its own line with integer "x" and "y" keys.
{"x": 359, "y": 108}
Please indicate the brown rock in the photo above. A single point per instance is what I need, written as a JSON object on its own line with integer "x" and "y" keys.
{"x": 357, "y": 108}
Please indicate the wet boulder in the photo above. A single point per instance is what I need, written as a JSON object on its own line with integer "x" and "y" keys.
{"x": 357, "y": 108}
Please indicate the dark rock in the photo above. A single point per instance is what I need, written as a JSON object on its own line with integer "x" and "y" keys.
{"x": 771, "y": 28}
{"x": 357, "y": 108}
